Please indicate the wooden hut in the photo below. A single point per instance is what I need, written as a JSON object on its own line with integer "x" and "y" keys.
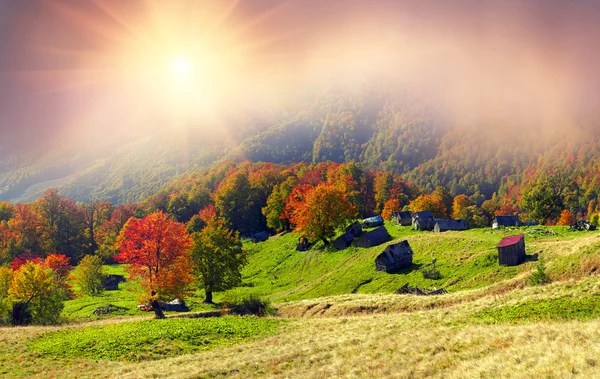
{"x": 355, "y": 228}
{"x": 511, "y": 250}
{"x": 111, "y": 282}
{"x": 394, "y": 257}
{"x": 402, "y": 218}
{"x": 423, "y": 221}
{"x": 374, "y": 237}
{"x": 372, "y": 222}
{"x": 344, "y": 241}
{"x": 443, "y": 225}
{"x": 505, "y": 221}
{"x": 303, "y": 244}
{"x": 260, "y": 237}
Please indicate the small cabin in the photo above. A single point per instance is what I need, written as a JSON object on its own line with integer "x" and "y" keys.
{"x": 443, "y": 225}
{"x": 505, "y": 221}
{"x": 372, "y": 222}
{"x": 395, "y": 257}
{"x": 344, "y": 241}
{"x": 111, "y": 282}
{"x": 355, "y": 228}
{"x": 511, "y": 250}
{"x": 374, "y": 237}
{"x": 260, "y": 237}
{"x": 402, "y": 218}
{"x": 423, "y": 220}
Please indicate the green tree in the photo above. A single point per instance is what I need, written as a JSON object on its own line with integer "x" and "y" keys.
{"x": 218, "y": 258}
{"x": 232, "y": 199}
{"x": 274, "y": 209}
{"x": 7, "y": 211}
{"x": 89, "y": 275}
{"x": 6, "y": 276}
{"x": 544, "y": 196}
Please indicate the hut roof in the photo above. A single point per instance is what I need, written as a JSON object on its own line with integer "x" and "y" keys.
{"x": 374, "y": 237}
{"x": 344, "y": 240}
{"x": 508, "y": 241}
{"x": 373, "y": 220}
{"x": 444, "y": 224}
{"x": 402, "y": 215}
{"x": 507, "y": 220}
{"x": 423, "y": 214}
{"x": 394, "y": 257}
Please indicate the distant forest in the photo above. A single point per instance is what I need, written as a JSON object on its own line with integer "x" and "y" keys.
{"x": 398, "y": 131}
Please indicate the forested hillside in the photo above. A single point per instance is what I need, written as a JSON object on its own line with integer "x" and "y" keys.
{"x": 400, "y": 130}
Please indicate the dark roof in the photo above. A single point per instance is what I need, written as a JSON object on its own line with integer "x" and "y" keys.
{"x": 402, "y": 214}
{"x": 507, "y": 220}
{"x": 451, "y": 224}
{"x": 507, "y": 241}
{"x": 374, "y": 237}
{"x": 423, "y": 214}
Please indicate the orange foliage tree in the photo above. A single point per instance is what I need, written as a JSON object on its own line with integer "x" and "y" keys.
{"x": 318, "y": 211}
{"x": 156, "y": 249}
{"x": 566, "y": 218}
{"x": 391, "y": 206}
{"x": 59, "y": 264}
{"x": 428, "y": 202}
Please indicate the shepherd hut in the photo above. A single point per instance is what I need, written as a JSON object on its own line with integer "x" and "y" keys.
{"x": 402, "y": 218}
{"x": 505, "y": 221}
{"x": 374, "y": 237}
{"x": 355, "y": 228}
{"x": 344, "y": 241}
{"x": 511, "y": 250}
{"x": 303, "y": 244}
{"x": 443, "y": 225}
{"x": 372, "y": 222}
{"x": 111, "y": 282}
{"x": 394, "y": 257}
{"x": 423, "y": 220}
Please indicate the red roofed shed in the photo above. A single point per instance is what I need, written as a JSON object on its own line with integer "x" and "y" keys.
{"x": 511, "y": 250}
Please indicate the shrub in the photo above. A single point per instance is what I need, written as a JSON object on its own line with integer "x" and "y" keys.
{"x": 89, "y": 275}
{"x": 5, "y": 280}
{"x": 250, "y": 305}
{"x": 539, "y": 276}
{"x": 431, "y": 274}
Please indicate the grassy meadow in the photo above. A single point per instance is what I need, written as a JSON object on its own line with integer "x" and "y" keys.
{"x": 337, "y": 317}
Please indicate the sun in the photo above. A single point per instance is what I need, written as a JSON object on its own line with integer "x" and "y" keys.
{"x": 180, "y": 66}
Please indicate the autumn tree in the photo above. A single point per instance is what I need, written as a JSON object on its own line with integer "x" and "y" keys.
{"x": 95, "y": 213}
{"x": 391, "y": 206}
{"x": 384, "y": 182}
{"x": 156, "y": 249}
{"x": 7, "y": 211}
{"x": 89, "y": 275}
{"x": 34, "y": 291}
{"x": 566, "y": 218}
{"x": 428, "y": 202}
{"x": 107, "y": 233}
{"x": 464, "y": 208}
{"x": 218, "y": 258}
{"x": 544, "y": 196}
{"x": 60, "y": 265}
{"x": 445, "y": 197}
{"x": 318, "y": 212}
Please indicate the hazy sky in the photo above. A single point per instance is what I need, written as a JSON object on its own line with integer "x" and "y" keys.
{"x": 74, "y": 65}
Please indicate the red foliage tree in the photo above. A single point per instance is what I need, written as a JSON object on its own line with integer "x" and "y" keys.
{"x": 59, "y": 264}
{"x": 156, "y": 248}
{"x": 21, "y": 259}
{"x": 566, "y": 218}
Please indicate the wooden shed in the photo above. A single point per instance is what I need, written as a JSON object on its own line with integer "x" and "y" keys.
{"x": 443, "y": 225}
{"x": 505, "y": 221}
{"x": 394, "y": 257}
{"x": 372, "y": 222}
{"x": 374, "y": 237}
{"x": 344, "y": 241}
{"x": 423, "y": 221}
{"x": 511, "y": 250}
{"x": 402, "y": 218}
{"x": 111, "y": 282}
{"x": 355, "y": 228}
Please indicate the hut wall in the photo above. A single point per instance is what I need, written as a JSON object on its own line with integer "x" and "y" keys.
{"x": 512, "y": 255}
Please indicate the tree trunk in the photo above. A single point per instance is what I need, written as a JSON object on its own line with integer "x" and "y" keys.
{"x": 208, "y": 298}
{"x": 158, "y": 313}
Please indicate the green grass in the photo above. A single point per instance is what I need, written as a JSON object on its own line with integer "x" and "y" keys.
{"x": 152, "y": 339}
{"x": 553, "y": 309}
{"x": 465, "y": 260}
